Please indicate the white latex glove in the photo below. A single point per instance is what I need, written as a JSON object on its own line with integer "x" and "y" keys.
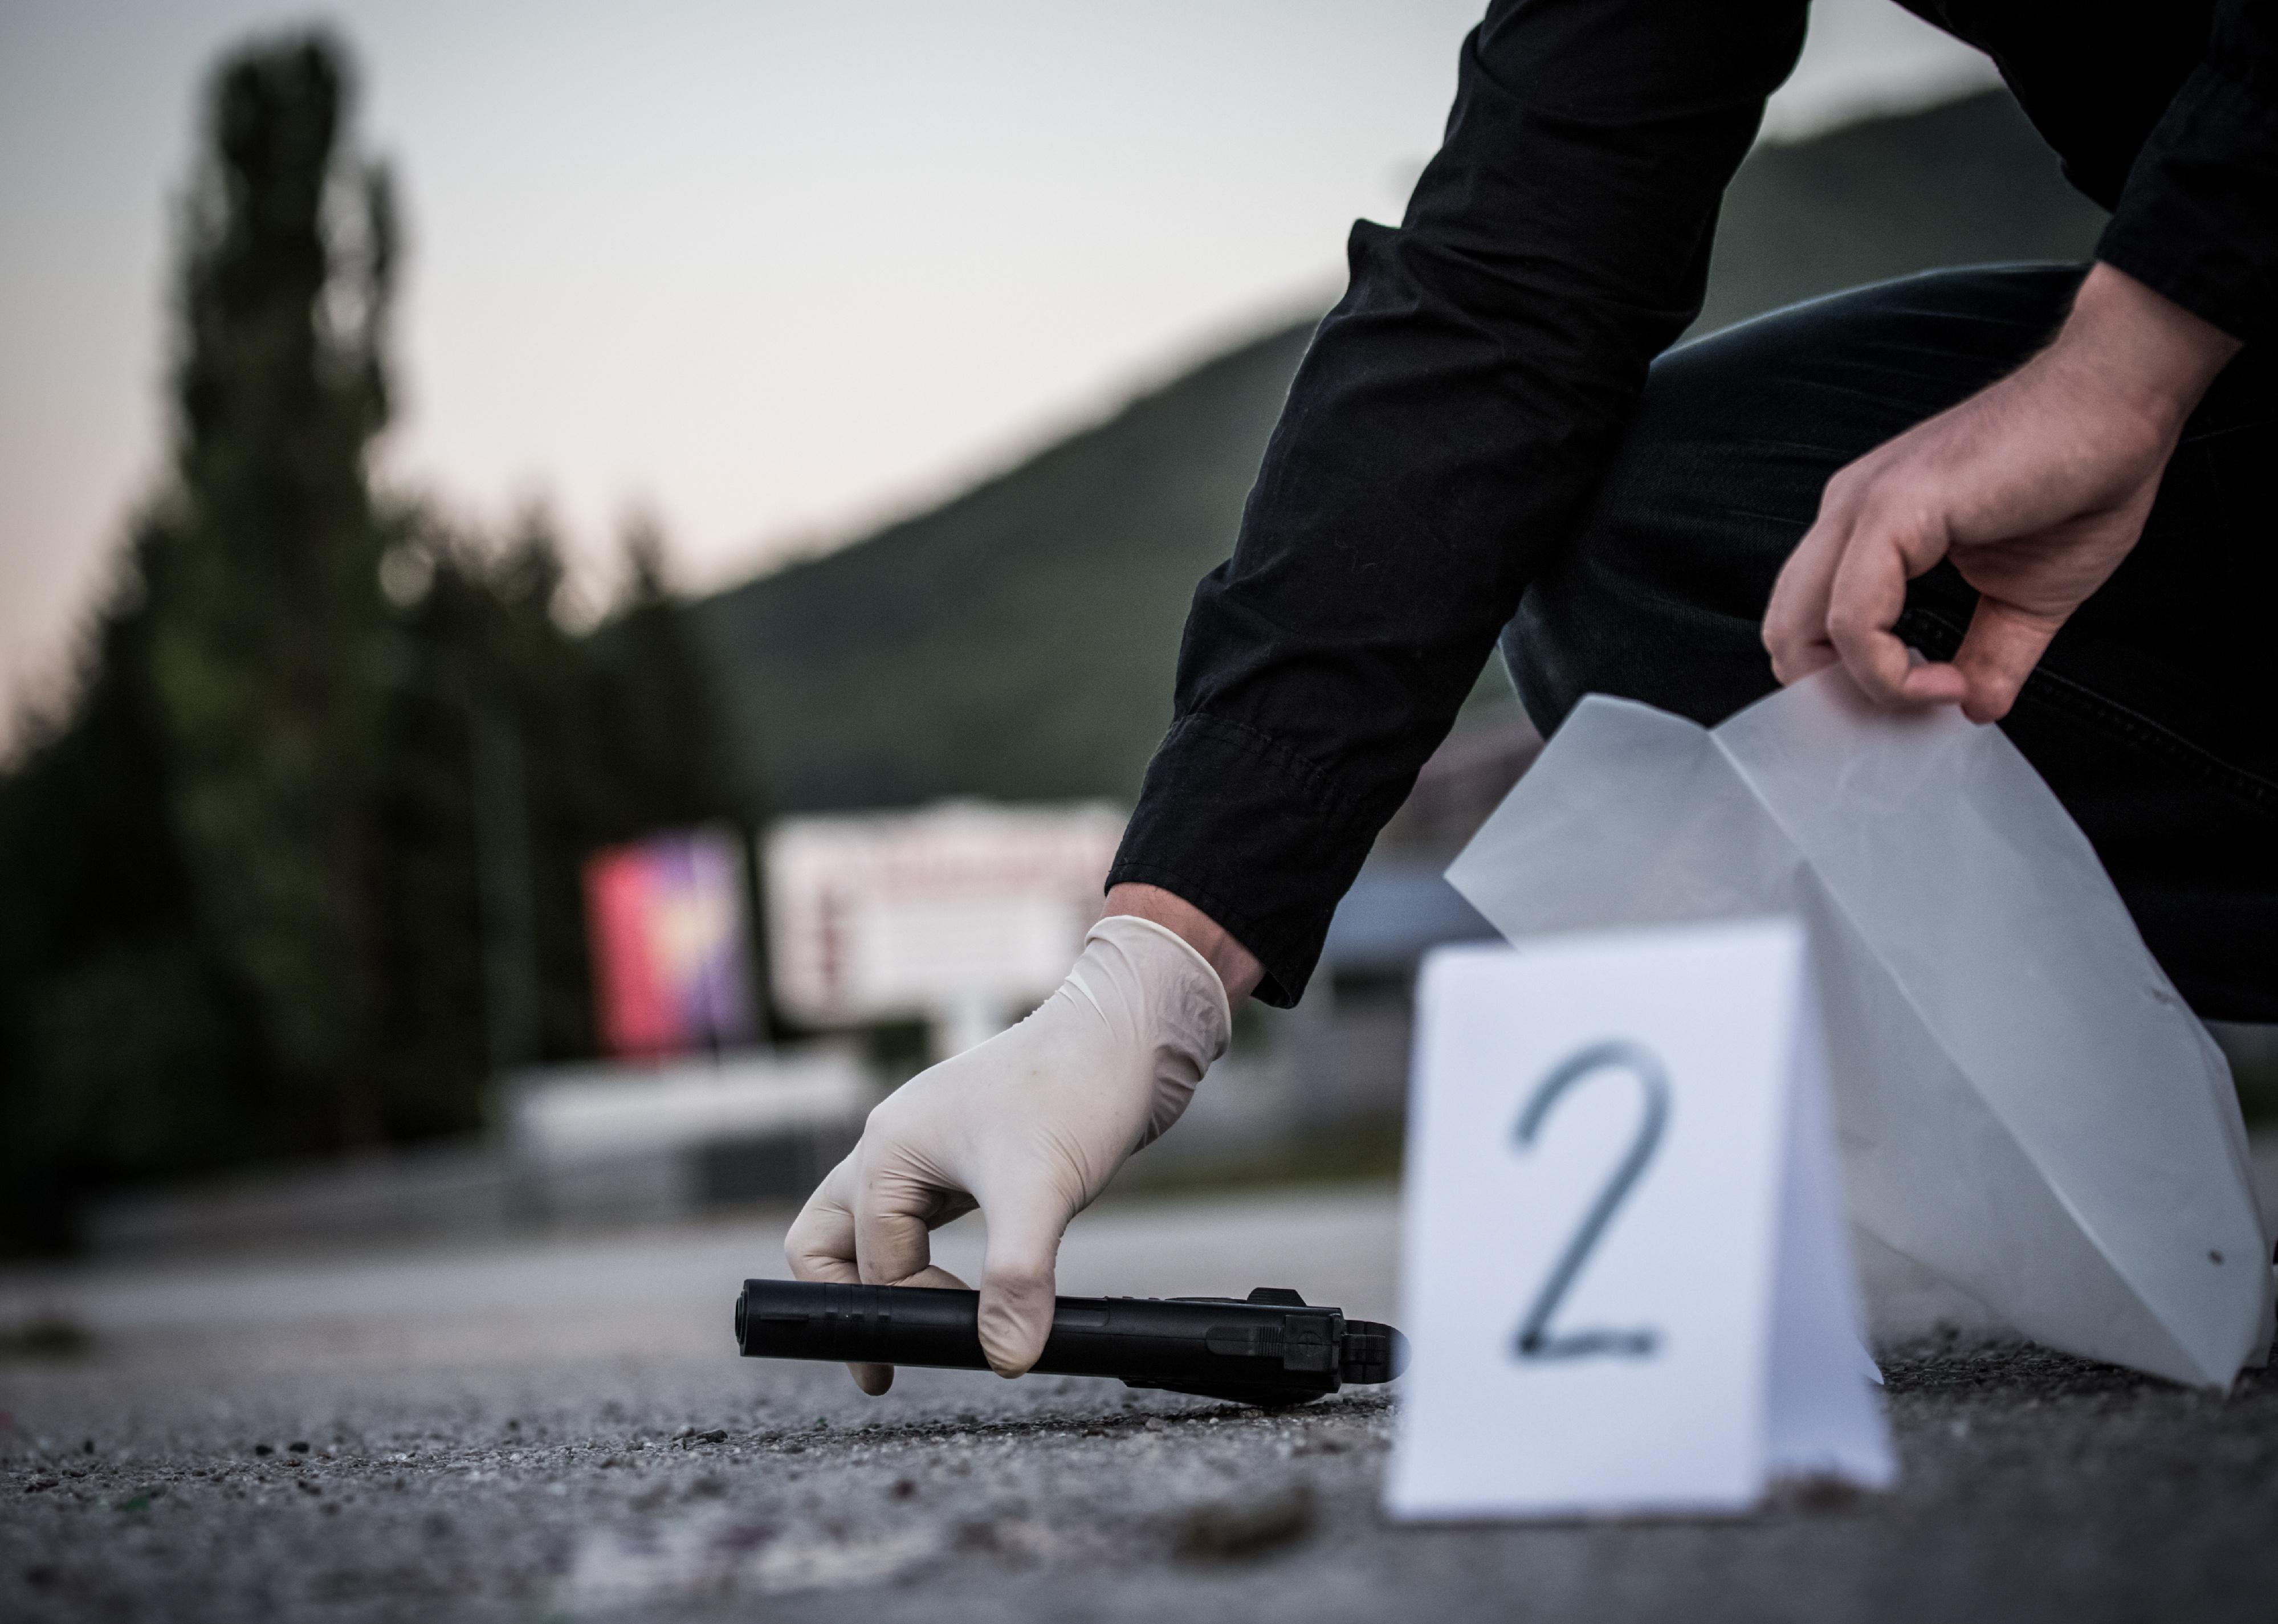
{"x": 1029, "y": 1127}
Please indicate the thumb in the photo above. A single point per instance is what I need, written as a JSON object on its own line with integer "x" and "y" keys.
{"x": 2003, "y": 645}
{"x": 1016, "y": 1280}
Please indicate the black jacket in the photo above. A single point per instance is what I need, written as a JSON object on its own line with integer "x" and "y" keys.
{"x": 1456, "y": 407}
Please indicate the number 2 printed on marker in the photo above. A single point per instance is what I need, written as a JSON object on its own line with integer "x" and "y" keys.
{"x": 1536, "y": 1339}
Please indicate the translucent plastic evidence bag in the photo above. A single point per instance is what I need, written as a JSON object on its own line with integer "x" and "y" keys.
{"x": 2023, "y": 1102}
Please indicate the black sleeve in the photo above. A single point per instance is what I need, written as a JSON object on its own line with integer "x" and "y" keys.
{"x": 1453, "y": 412}
{"x": 2198, "y": 220}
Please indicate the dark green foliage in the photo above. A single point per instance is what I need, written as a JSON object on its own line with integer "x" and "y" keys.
{"x": 1019, "y": 640}
{"x": 653, "y": 696}
{"x": 1967, "y": 184}
{"x": 126, "y": 1042}
{"x": 616, "y": 736}
{"x": 241, "y": 903}
{"x": 261, "y": 575}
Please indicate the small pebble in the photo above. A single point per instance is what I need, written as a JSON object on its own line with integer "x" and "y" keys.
{"x": 1821, "y": 1493}
{"x": 1228, "y": 1530}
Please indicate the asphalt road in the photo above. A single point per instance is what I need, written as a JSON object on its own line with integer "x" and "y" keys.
{"x": 561, "y": 1430}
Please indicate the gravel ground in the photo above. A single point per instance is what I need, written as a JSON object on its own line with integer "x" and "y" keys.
{"x": 560, "y": 1430}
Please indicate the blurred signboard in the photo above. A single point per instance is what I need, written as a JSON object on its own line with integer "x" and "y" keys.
{"x": 670, "y": 943}
{"x": 963, "y": 906}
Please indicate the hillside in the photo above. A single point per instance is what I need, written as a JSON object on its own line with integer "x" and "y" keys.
{"x": 1018, "y": 641}
{"x": 1968, "y": 183}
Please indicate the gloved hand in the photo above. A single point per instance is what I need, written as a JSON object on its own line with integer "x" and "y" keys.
{"x": 1028, "y": 1126}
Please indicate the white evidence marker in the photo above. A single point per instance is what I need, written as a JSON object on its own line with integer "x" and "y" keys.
{"x": 1625, "y": 1273}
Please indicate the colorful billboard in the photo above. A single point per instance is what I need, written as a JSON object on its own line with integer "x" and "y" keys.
{"x": 667, "y": 920}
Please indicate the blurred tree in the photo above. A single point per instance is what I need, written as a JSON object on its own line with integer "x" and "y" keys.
{"x": 126, "y": 1045}
{"x": 614, "y": 734}
{"x": 299, "y": 866}
{"x": 263, "y": 569}
{"x": 660, "y": 717}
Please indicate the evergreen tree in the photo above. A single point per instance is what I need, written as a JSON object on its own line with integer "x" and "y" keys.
{"x": 301, "y": 864}
{"x": 614, "y": 734}
{"x": 126, "y": 1047}
{"x": 661, "y": 718}
{"x": 263, "y": 571}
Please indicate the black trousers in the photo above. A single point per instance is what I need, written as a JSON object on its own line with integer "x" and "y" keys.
{"x": 2152, "y": 716}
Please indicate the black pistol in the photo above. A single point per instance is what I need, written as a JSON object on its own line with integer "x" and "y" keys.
{"x": 1271, "y": 1349}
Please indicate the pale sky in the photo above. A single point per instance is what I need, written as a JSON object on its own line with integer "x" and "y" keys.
{"x": 767, "y": 271}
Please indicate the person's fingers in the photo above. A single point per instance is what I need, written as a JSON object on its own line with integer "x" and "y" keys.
{"x": 820, "y": 1247}
{"x": 821, "y": 1243}
{"x": 1795, "y": 619}
{"x": 1998, "y": 654}
{"x": 1016, "y": 1277}
{"x": 1864, "y": 603}
{"x": 1930, "y": 681}
{"x": 895, "y": 1214}
{"x": 934, "y": 1275}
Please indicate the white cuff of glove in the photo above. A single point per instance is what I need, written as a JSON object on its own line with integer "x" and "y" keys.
{"x": 1157, "y": 996}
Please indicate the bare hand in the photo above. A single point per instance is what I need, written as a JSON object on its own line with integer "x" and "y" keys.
{"x": 2035, "y": 487}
